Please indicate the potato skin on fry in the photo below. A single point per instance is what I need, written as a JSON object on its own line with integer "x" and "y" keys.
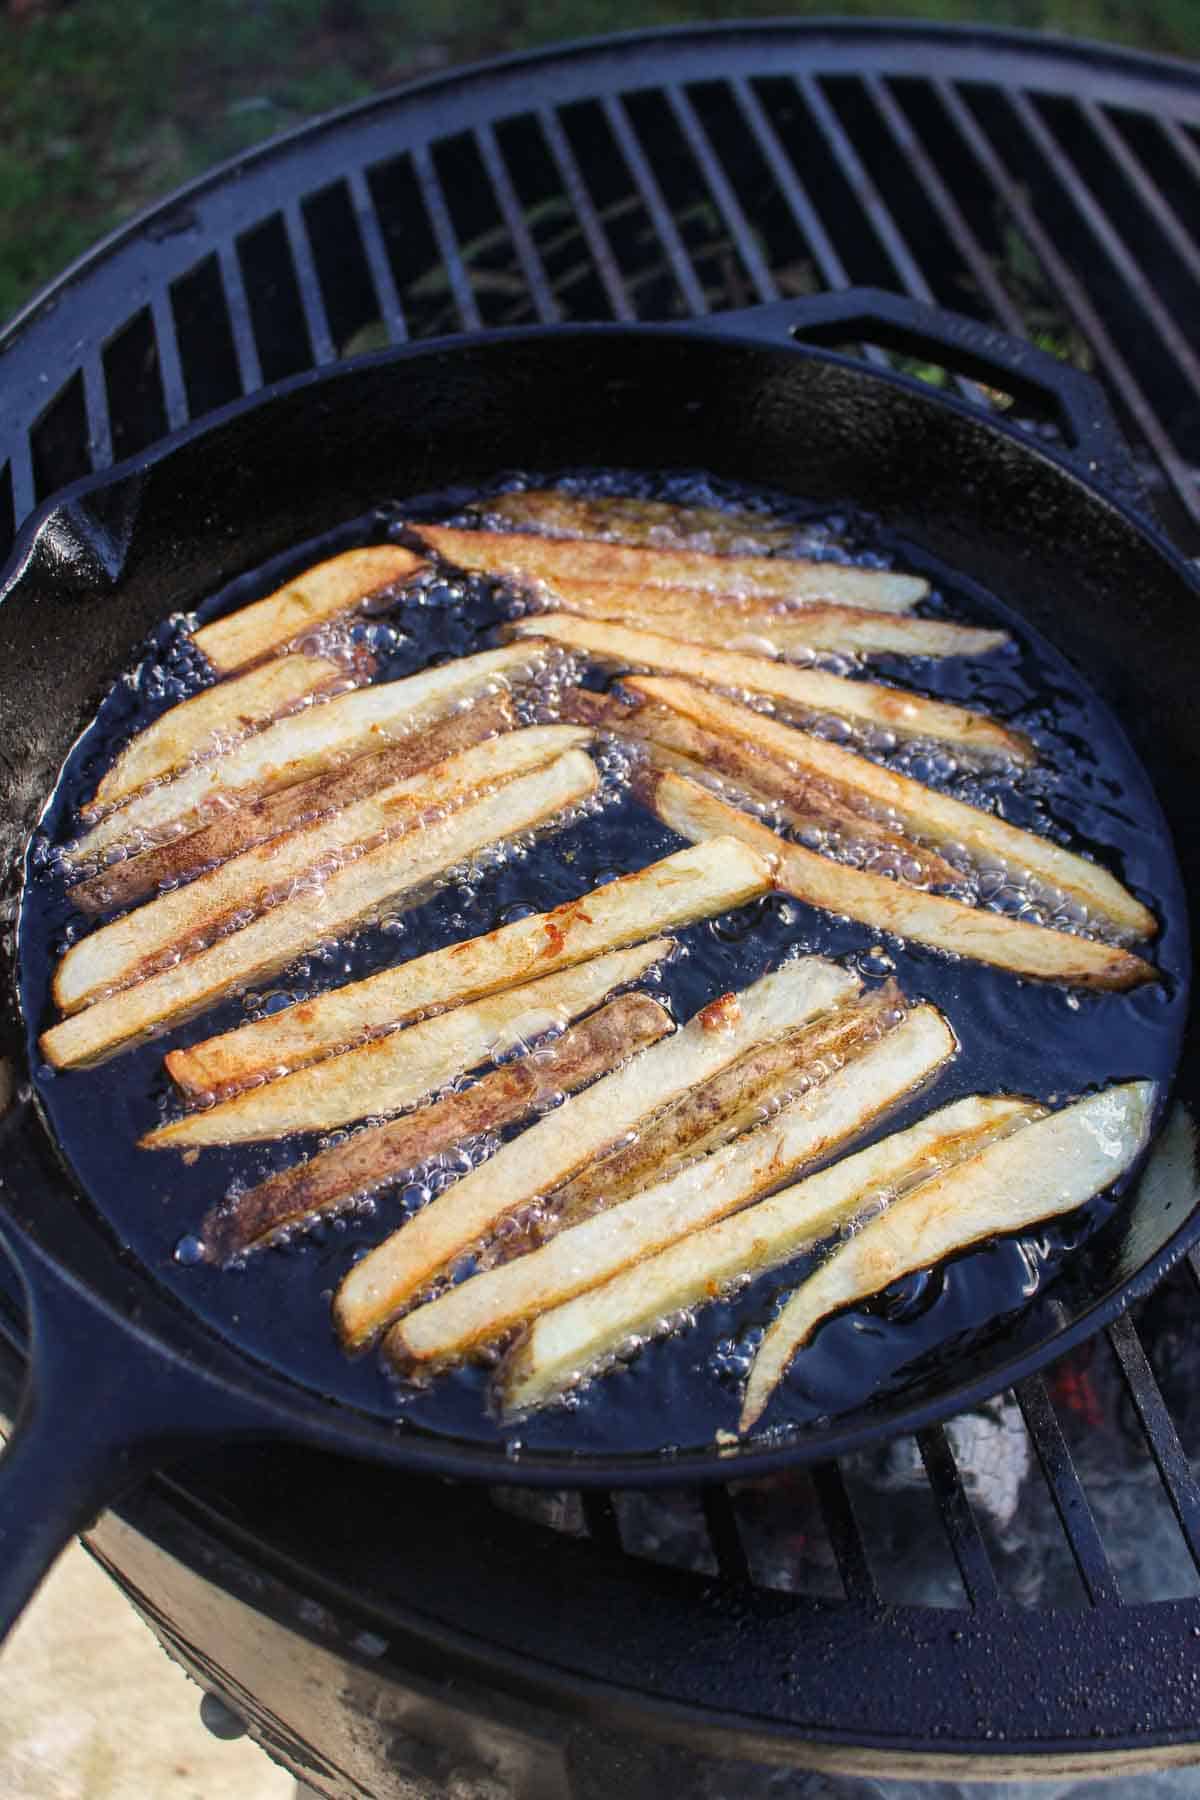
{"x": 654, "y": 524}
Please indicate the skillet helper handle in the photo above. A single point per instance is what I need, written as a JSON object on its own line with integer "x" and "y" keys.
{"x": 1094, "y": 442}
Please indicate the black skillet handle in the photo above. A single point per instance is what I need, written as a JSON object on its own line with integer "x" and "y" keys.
{"x": 966, "y": 347}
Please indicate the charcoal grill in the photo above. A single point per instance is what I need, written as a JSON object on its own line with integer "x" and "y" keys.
{"x": 1015, "y": 1592}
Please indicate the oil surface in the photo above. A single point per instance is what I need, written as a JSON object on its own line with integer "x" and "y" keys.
{"x": 1087, "y": 790}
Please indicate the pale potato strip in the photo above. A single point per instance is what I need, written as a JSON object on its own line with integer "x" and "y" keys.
{"x": 214, "y": 719}
{"x": 1049, "y": 1167}
{"x": 893, "y": 709}
{"x": 322, "y": 593}
{"x": 695, "y": 883}
{"x": 624, "y": 519}
{"x": 358, "y": 892}
{"x": 587, "y": 1254}
{"x": 385, "y": 1153}
{"x": 119, "y": 953}
{"x": 394, "y": 1272}
{"x": 394, "y": 1072}
{"x": 534, "y": 558}
{"x": 292, "y": 749}
{"x": 920, "y": 809}
{"x": 696, "y": 812}
{"x": 770, "y": 627}
{"x": 574, "y": 1339}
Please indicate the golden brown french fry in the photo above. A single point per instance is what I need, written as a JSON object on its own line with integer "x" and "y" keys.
{"x": 181, "y": 922}
{"x": 217, "y": 717}
{"x": 401, "y": 867}
{"x": 622, "y": 519}
{"x": 292, "y": 749}
{"x": 260, "y": 820}
{"x": 836, "y": 1108}
{"x": 576, "y": 1339}
{"x": 394, "y": 1072}
{"x": 919, "y": 809}
{"x": 1048, "y": 1167}
{"x": 383, "y": 1154}
{"x": 396, "y": 1271}
{"x": 861, "y": 702}
{"x": 532, "y": 558}
{"x": 770, "y": 628}
{"x": 695, "y": 883}
{"x": 323, "y": 592}
{"x": 695, "y": 812}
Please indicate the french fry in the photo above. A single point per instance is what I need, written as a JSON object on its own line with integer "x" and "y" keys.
{"x": 394, "y": 1072}
{"x": 396, "y": 1271}
{"x": 323, "y": 592}
{"x": 770, "y": 628}
{"x": 132, "y": 947}
{"x": 695, "y": 883}
{"x": 1034, "y": 950}
{"x": 933, "y": 816}
{"x": 577, "y": 1338}
{"x": 401, "y": 867}
{"x": 531, "y": 558}
{"x": 383, "y": 1154}
{"x": 306, "y": 744}
{"x": 838, "y": 1107}
{"x": 1048, "y": 1167}
{"x": 622, "y": 519}
{"x": 260, "y": 820}
{"x": 865, "y": 702}
{"x": 214, "y": 719}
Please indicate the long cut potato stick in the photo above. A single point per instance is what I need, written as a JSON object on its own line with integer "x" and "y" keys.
{"x": 386, "y": 1280}
{"x": 933, "y": 816}
{"x": 1034, "y": 950}
{"x": 573, "y": 1340}
{"x": 322, "y": 593}
{"x": 1049, "y": 1167}
{"x": 864, "y": 702}
{"x": 585, "y": 1255}
{"x": 384, "y": 1153}
{"x": 131, "y": 947}
{"x": 695, "y": 883}
{"x": 362, "y": 890}
{"x": 624, "y": 519}
{"x": 394, "y": 1072}
{"x": 532, "y": 558}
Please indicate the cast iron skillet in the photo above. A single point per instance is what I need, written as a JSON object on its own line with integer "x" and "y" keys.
{"x": 123, "y": 1377}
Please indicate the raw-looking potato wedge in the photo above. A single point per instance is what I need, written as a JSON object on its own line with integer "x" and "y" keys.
{"x": 530, "y": 558}
{"x": 624, "y": 519}
{"x": 1048, "y": 1167}
{"x": 396, "y": 1271}
{"x": 803, "y": 804}
{"x": 260, "y": 820}
{"x": 919, "y": 809}
{"x": 217, "y": 717}
{"x": 695, "y": 812}
{"x": 813, "y": 691}
{"x": 767, "y": 628}
{"x": 836, "y": 1108}
{"x": 696, "y": 883}
{"x": 570, "y": 1342}
{"x": 323, "y": 592}
{"x": 292, "y": 749}
{"x": 178, "y": 923}
{"x": 394, "y": 1072}
{"x": 381, "y": 879}
{"x": 383, "y": 1154}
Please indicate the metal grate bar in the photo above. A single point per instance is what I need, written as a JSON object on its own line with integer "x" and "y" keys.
{"x": 1073, "y": 296}
{"x": 99, "y": 428}
{"x": 586, "y": 215}
{"x": 961, "y": 1526}
{"x": 443, "y": 232}
{"x": 540, "y": 291}
{"x": 1183, "y": 145}
{"x": 1066, "y": 1491}
{"x": 829, "y": 264}
{"x": 721, "y": 1522}
{"x": 170, "y": 366}
{"x": 1147, "y": 191}
{"x": 238, "y": 308}
{"x": 1183, "y": 1491}
{"x": 600, "y": 1517}
{"x": 651, "y": 197}
{"x": 724, "y": 198}
{"x": 308, "y": 282}
{"x": 375, "y": 250}
{"x": 845, "y": 1539}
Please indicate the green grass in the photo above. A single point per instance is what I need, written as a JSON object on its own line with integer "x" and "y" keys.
{"x": 109, "y": 103}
